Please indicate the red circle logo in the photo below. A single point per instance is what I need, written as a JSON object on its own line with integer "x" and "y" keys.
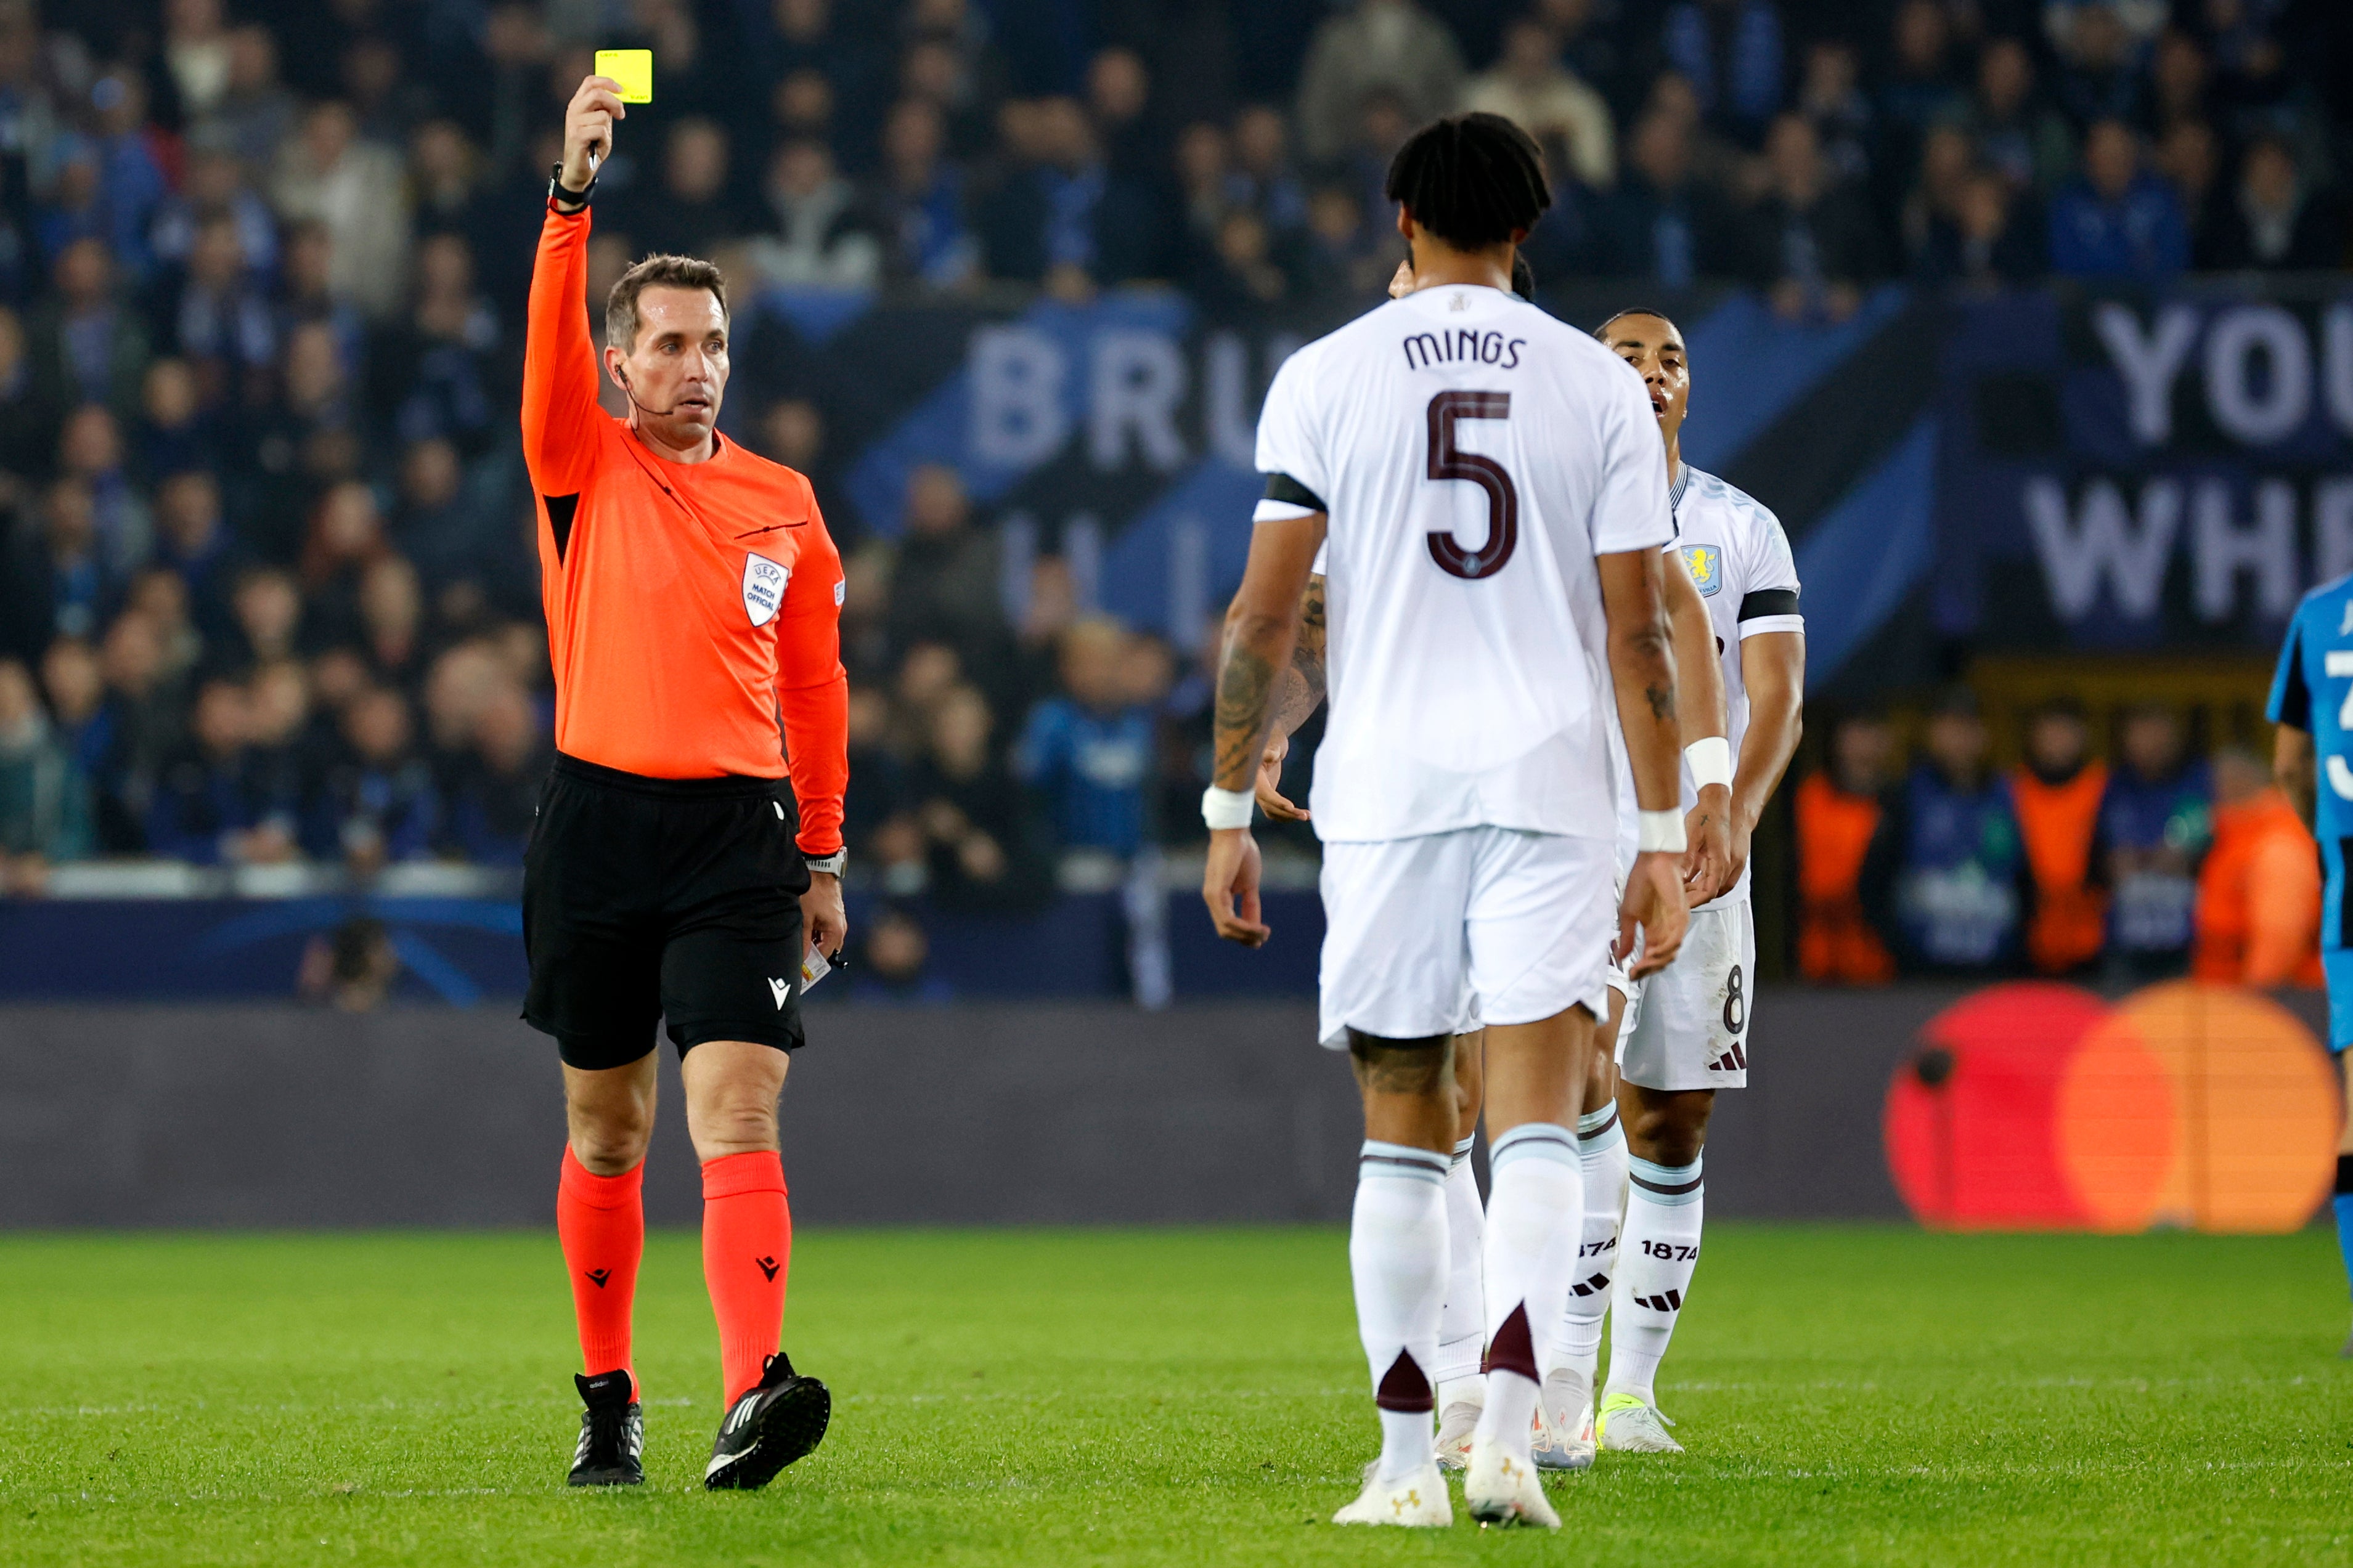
{"x": 2038, "y": 1106}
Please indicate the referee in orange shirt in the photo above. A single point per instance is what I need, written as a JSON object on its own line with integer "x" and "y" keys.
{"x": 692, "y": 828}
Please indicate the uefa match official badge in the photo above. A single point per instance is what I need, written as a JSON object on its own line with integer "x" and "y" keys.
{"x": 764, "y": 589}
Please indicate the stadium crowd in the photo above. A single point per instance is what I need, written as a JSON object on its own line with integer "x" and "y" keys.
{"x": 268, "y": 590}
{"x": 2153, "y": 863}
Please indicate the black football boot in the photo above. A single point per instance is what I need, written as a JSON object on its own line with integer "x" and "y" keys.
{"x": 612, "y": 1434}
{"x": 775, "y": 1423}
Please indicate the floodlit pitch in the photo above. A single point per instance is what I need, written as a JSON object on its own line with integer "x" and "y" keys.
{"x": 1848, "y": 1394}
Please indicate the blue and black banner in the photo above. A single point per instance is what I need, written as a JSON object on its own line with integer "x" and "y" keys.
{"x": 1118, "y": 434}
{"x": 2049, "y": 469}
{"x": 2142, "y": 473}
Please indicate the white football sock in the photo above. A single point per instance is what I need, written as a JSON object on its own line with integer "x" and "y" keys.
{"x": 1397, "y": 1258}
{"x": 1462, "y": 1329}
{"x": 1657, "y": 1251}
{"x": 1575, "y": 1354}
{"x": 1537, "y": 1195}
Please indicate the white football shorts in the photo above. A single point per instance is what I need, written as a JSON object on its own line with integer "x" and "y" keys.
{"x": 1687, "y": 1027}
{"x": 1614, "y": 970}
{"x": 1450, "y": 932}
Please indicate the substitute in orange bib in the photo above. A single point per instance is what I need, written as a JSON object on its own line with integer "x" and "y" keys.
{"x": 2258, "y": 915}
{"x": 688, "y": 850}
{"x": 1838, "y": 811}
{"x": 2056, "y": 794}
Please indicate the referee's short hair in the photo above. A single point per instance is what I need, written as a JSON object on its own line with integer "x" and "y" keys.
{"x": 656, "y": 272}
{"x": 1472, "y": 180}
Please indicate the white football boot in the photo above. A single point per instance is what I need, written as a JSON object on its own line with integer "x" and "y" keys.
{"x": 1501, "y": 1488}
{"x": 1563, "y": 1444}
{"x": 1415, "y": 1500}
{"x": 1628, "y": 1425}
{"x": 1454, "y": 1429}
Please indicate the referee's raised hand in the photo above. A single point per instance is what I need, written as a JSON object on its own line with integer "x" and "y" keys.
{"x": 588, "y": 129}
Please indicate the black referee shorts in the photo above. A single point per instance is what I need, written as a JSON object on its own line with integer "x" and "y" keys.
{"x": 669, "y": 899}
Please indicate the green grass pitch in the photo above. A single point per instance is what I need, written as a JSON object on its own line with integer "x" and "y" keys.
{"x": 1848, "y": 1395}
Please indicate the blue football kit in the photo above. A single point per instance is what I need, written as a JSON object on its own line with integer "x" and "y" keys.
{"x": 2313, "y": 692}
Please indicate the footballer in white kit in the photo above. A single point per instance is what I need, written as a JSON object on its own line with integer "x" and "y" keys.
{"x": 1460, "y": 1387}
{"x": 1686, "y": 1031}
{"x": 1487, "y": 485}
{"x": 1466, "y": 745}
{"x": 1688, "y": 1026}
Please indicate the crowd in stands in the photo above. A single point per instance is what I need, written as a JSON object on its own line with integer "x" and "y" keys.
{"x": 2155, "y": 864}
{"x": 1107, "y": 757}
{"x": 1810, "y": 147}
{"x": 268, "y": 587}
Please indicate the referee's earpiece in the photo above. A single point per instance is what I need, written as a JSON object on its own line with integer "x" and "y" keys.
{"x": 630, "y": 393}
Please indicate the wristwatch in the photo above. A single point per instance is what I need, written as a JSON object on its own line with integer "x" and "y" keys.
{"x": 830, "y": 865}
{"x": 556, "y": 193}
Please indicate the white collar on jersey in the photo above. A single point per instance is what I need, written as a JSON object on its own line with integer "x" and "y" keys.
{"x": 1675, "y": 492}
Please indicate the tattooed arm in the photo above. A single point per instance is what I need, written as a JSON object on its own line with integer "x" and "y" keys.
{"x": 1299, "y": 687}
{"x": 1643, "y": 668}
{"x": 1297, "y": 691}
{"x": 1261, "y": 630}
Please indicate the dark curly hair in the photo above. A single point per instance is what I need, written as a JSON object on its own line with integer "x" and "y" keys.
{"x": 1472, "y": 180}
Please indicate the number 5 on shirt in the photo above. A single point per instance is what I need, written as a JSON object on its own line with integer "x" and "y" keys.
{"x": 1447, "y": 461}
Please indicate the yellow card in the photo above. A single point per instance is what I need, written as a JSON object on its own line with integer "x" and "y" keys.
{"x": 633, "y": 69}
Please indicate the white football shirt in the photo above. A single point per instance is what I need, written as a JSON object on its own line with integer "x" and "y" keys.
{"x": 1739, "y": 558}
{"x": 1474, "y": 455}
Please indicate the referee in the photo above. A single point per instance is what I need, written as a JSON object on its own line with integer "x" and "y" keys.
{"x": 691, "y": 831}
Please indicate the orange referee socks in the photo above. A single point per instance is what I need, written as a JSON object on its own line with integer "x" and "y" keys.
{"x": 747, "y": 1250}
{"x": 601, "y": 1220}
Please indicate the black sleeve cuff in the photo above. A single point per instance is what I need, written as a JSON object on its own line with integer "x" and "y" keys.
{"x": 1291, "y": 492}
{"x": 2296, "y": 697}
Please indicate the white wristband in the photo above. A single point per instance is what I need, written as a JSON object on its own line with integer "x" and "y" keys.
{"x": 1710, "y": 760}
{"x": 1223, "y": 809}
{"x": 1660, "y": 830}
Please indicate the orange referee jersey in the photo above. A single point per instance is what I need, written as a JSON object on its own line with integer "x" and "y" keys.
{"x": 694, "y": 609}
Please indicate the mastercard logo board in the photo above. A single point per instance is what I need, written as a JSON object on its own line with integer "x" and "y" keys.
{"x": 2039, "y": 1106}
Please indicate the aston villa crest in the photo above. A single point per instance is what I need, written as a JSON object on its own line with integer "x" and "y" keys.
{"x": 1707, "y": 564}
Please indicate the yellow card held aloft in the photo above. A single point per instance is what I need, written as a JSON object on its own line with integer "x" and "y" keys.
{"x": 633, "y": 69}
